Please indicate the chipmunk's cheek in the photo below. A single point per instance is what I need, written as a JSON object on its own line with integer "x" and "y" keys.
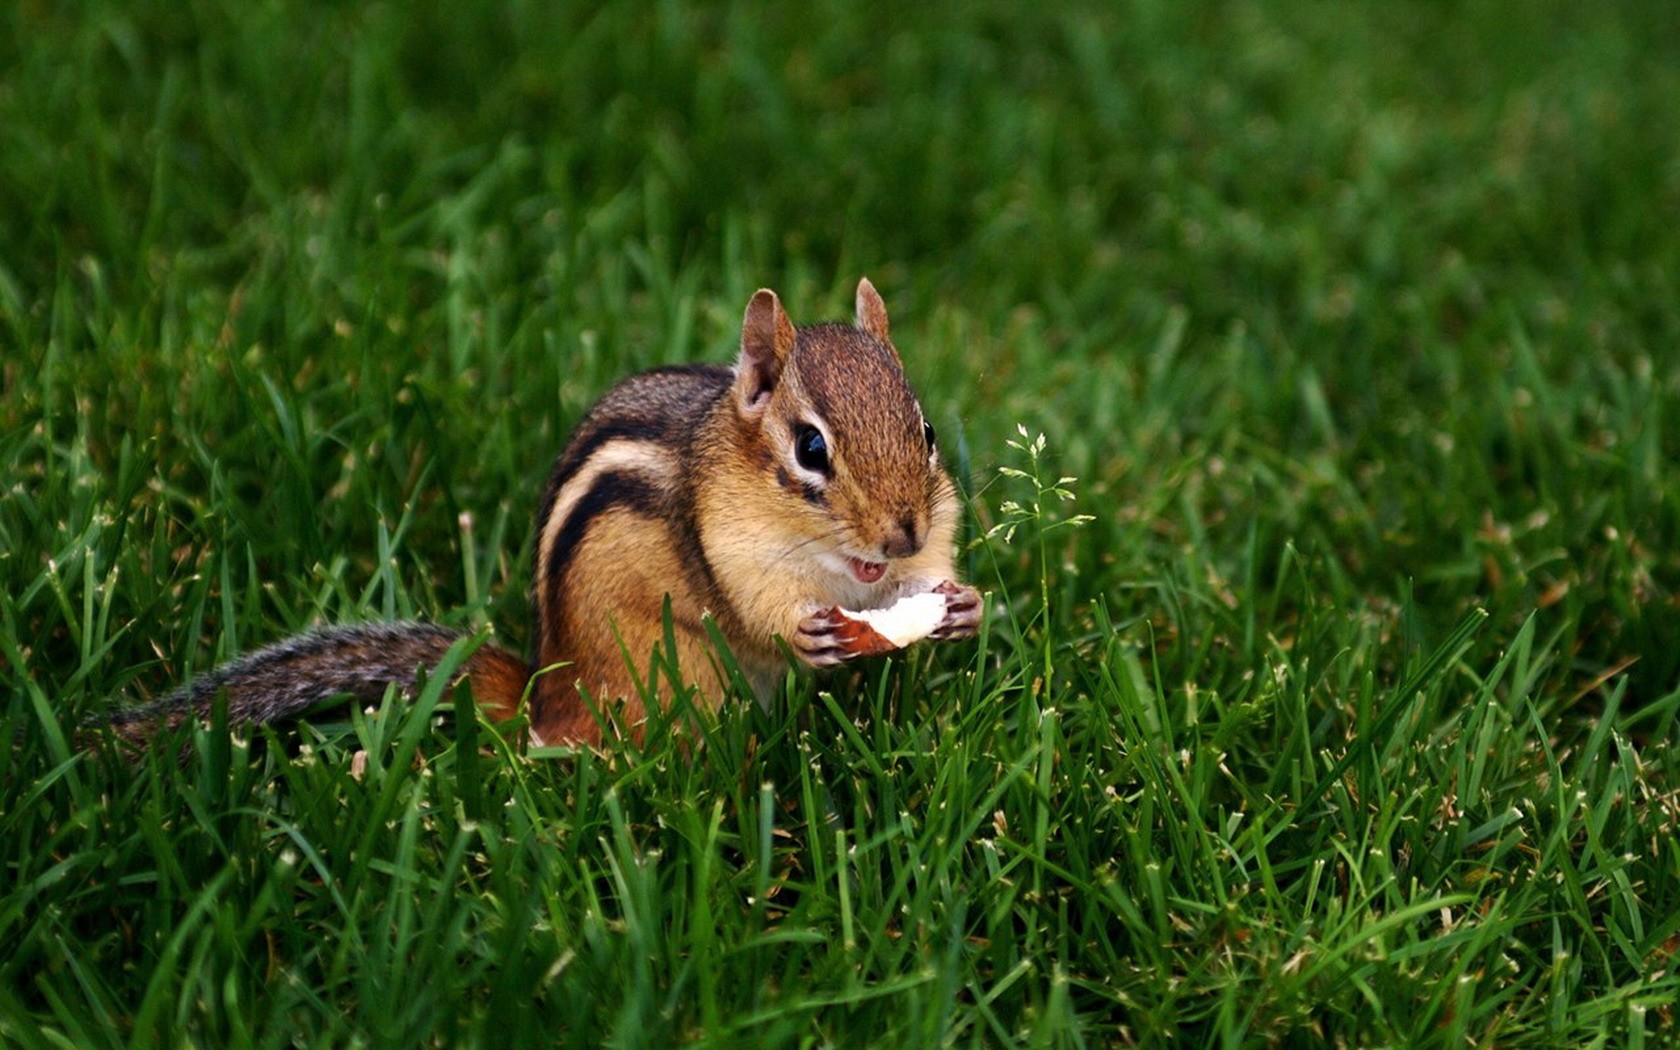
{"x": 866, "y": 571}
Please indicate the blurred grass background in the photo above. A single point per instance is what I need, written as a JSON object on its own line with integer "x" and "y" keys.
{"x": 1349, "y": 319}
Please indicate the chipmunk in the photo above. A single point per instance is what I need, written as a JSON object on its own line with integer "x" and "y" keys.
{"x": 764, "y": 497}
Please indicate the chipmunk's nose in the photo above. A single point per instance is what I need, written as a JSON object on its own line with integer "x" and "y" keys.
{"x": 903, "y": 538}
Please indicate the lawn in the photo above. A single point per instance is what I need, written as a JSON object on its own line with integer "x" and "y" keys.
{"x": 1312, "y": 372}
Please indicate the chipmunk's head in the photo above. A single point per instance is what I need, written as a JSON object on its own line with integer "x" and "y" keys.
{"x": 840, "y": 436}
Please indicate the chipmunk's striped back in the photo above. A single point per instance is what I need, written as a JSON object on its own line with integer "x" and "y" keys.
{"x": 615, "y": 507}
{"x": 627, "y": 453}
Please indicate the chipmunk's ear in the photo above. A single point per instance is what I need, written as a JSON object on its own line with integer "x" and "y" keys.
{"x": 871, "y": 311}
{"x": 766, "y": 341}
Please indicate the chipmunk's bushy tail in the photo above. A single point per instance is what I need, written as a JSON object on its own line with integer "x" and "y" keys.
{"x": 287, "y": 678}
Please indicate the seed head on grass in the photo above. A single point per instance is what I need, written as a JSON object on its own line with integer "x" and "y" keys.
{"x": 1045, "y": 494}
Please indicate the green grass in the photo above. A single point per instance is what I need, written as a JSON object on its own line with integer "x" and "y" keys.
{"x": 1350, "y": 717}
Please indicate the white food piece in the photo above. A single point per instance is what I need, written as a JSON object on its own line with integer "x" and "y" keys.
{"x": 910, "y": 619}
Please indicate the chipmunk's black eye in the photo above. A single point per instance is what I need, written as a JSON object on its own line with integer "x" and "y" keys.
{"x": 809, "y": 448}
{"x": 932, "y": 438}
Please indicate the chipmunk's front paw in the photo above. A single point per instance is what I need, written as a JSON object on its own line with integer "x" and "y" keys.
{"x": 962, "y": 612}
{"x": 825, "y": 639}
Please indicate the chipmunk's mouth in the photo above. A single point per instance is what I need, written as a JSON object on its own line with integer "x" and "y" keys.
{"x": 866, "y": 571}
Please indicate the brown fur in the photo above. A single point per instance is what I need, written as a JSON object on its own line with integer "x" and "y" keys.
{"x": 682, "y": 484}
